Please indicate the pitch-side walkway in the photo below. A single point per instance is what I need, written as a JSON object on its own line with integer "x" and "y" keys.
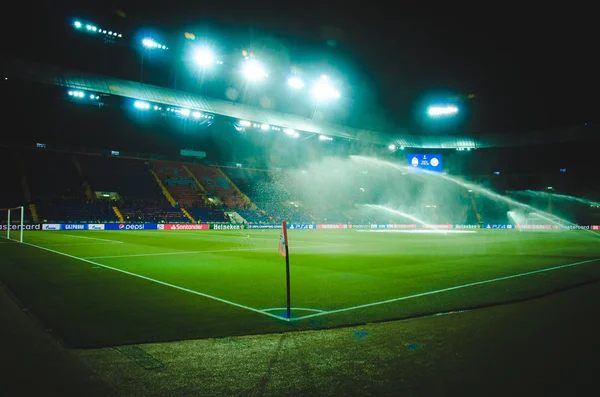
{"x": 32, "y": 363}
{"x": 548, "y": 346}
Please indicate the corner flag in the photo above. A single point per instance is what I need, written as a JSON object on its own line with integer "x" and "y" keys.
{"x": 283, "y": 250}
{"x": 283, "y": 240}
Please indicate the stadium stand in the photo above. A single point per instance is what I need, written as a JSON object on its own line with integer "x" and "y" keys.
{"x": 57, "y": 186}
{"x": 255, "y": 216}
{"x": 128, "y": 177}
{"x": 52, "y": 176}
{"x": 246, "y": 178}
{"x": 273, "y": 201}
{"x": 76, "y": 212}
{"x": 208, "y": 215}
{"x": 180, "y": 184}
{"x": 218, "y": 185}
{"x": 140, "y": 213}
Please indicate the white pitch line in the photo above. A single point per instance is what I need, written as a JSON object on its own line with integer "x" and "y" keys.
{"x": 549, "y": 269}
{"x": 93, "y": 238}
{"x": 201, "y": 252}
{"x": 294, "y": 308}
{"x": 159, "y": 282}
{"x": 74, "y": 244}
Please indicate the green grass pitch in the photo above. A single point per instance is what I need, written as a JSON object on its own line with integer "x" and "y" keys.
{"x": 104, "y": 288}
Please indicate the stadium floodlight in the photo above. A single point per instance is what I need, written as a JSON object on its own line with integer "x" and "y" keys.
{"x": 265, "y": 127}
{"x": 325, "y": 138}
{"x": 204, "y": 57}
{"x": 141, "y": 105}
{"x": 196, "y": 115}
{"x": 76, "y": 94}
{"x": 322, "y": 90}
{"x": 296, "y": 83}
{"x": 94, "y": 29}
{"x": 291, "y": 132}
{"x": 392, "y": 147}
{"x": 442, "y": 110}
{"x": 151, "y": 44}
{"x": 253, "y": 70}
{"x": 245, "y": 123}
{"x": 184, "y": 112}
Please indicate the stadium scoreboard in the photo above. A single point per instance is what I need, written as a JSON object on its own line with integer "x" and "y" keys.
{"x": 428, "y": 162}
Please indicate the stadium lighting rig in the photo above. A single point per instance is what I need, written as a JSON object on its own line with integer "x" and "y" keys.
{"x": 93, "y": 29}
{"x": 295, "y": 82}
{"x": 243, "y": 124}
{"x": 82, "y": 95}
{"x": 393, "y": 147}
{"x": 205, "y": 57}
{"x": 185, "y": 113}
{"x": 182, "y": 112}
{"x": 253, "y": 70}
{"x": 323, "y": 90}
{"x": 258, "y": 126}
{"x": 442, "y": 110}
{"x": 141, "y": 105}
{"x": 151, "y": 44}
{"x": 291, "y": 132}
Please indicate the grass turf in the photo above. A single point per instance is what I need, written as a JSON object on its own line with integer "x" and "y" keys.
{"x": 88, "y": 305}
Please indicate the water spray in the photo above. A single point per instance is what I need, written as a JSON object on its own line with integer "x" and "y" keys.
{"x": 479, "y": 189}
{"x": 399, "y": 213}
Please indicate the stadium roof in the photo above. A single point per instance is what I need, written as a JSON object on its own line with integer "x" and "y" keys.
{"x": 48, "y": 74}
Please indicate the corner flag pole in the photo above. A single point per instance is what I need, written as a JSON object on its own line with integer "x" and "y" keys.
{"x": 285, "y": 252}
{"x": 287, "y": 272}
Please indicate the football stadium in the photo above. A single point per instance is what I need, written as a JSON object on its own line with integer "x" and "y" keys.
{"x": 135, "y": 212}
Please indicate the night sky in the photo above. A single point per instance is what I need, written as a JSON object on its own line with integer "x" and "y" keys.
{"x": 528, "y": 67}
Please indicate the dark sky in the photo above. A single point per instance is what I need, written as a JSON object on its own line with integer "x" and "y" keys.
{"x": 529, "y": 66}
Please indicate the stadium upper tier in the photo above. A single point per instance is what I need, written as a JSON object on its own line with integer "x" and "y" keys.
{"x": 161, "y": 96}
